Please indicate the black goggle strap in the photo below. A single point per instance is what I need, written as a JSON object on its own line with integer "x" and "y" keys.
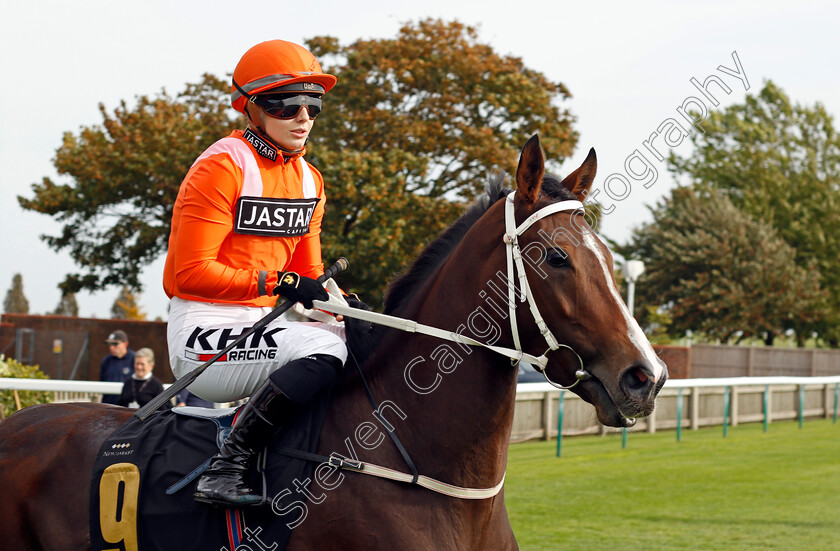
{"x": 245, "y": 94}
{"x": 259, "y": 127}
{"x": 316, "y": 102}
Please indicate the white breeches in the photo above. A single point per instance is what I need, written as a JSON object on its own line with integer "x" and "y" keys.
{"x": 197, "y": 331}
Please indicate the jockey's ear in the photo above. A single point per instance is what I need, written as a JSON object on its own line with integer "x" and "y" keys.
{"x": 579, "y": 181}
{"x": 529, "y": 173}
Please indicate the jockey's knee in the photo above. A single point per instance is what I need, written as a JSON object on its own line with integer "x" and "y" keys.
{"x": 303, "y": 378}
{"x": 321, "y": 342}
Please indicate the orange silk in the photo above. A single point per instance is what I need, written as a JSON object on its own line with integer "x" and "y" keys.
{"x": 207, "y": 261}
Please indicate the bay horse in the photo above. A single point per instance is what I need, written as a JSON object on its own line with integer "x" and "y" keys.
{"x": 452, "y": 405}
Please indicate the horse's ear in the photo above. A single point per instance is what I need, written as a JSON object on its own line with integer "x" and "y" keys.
{"x": 579, "y": 181}
{"x": 529, "y": 173}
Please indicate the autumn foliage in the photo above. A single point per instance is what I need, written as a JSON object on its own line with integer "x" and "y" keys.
{"x": 412, "y": 130}
{"x": 123, "y": 179}
{"x": 409, "y": 134}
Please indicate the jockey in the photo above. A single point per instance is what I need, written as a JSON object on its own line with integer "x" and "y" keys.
{"x": 246, "y": 226}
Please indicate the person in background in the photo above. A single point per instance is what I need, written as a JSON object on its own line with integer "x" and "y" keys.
{"x": 142, "y": 386}
{"x": 118, "y": 364}
{"x": 187, "y": 398}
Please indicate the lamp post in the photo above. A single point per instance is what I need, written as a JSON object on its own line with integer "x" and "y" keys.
{"x": 632, "y": 270}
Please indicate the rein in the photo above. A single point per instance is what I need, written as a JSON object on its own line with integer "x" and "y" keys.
{"x": 515, "y": 271}
{"x": 410, "y": 326}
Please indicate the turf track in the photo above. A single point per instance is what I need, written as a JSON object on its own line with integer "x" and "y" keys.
{"x": 778, "y": 489}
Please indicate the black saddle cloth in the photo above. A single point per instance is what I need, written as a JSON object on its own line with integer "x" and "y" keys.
{"x": 132, "y": 511}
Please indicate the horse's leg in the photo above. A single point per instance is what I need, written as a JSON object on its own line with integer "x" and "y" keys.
{"x": 46, "y": 464}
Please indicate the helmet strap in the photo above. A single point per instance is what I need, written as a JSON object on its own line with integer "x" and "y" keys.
{"x": 258, "y": 126}
{"x": 245, "y": 94}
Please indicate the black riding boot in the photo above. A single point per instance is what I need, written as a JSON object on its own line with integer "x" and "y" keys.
{"x": 271, "y": 406}
{"x": 224, "y": 483}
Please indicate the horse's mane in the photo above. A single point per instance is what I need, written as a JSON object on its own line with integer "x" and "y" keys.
{"x": 401, "y": 290}
{"x": 363, "y": 338}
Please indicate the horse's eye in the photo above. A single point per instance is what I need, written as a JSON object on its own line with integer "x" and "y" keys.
{"x": 558, "y": 258}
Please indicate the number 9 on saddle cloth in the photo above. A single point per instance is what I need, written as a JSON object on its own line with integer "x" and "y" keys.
{"x": 169, "y": 450}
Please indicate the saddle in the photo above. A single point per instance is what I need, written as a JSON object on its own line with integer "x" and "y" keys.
{"x": 145, "y": 474}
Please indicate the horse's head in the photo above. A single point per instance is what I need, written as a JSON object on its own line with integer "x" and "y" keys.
{"x": 570, "y": 275}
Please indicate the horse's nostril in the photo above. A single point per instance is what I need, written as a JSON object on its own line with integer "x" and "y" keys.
{"x": 637, "y": 380}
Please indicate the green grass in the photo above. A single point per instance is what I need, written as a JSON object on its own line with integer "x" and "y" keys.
{"x": 750, "y": 490}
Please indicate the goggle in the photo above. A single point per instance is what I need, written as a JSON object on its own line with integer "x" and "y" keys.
{"x": 287, "y": 107}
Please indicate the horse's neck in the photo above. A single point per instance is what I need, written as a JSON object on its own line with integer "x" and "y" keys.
{"x": 457, "y": 400}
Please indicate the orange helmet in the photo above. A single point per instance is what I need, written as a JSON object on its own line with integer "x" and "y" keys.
{"x": 272, "y": 64}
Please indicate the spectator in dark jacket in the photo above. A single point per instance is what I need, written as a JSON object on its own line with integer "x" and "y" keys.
{"x": 142, "y": 386}
{"x": 118, "y": 365}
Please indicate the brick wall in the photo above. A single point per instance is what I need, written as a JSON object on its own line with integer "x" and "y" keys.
{"x": 678, "y": 360}
{"x": 34, "y": 340}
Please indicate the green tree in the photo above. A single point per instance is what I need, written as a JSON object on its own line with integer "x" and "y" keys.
{"x": 411, "y": 132}
{"x": 407, "y": 137}
{"x": 779, "y": 163}
{"x": 9, "y": 367}
{"x": 67, "y": 306}
{"x": 126, "y": 307}
{"x": 658, "y": 322}
{"x": 15, "y": 301}
{"x": 125, "y": 176}
{"x": 654, "y": 320}
{"x": 712, "y": 269}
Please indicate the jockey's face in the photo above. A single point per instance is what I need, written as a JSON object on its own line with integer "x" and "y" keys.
{"x": 291, "y": 133}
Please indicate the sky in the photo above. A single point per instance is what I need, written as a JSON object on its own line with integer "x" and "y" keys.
{"x": 628, "y": 65}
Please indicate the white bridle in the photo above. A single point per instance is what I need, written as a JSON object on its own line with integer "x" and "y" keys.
{"x": 515, "y": 273}
{"x": 516, "y": 269}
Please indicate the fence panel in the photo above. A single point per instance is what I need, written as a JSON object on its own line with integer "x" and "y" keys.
{"x": 702, "y": 405}
{"x": 537, "y": 403}
{"x": 720, "y": 361}
{"x": 743, "y": 361}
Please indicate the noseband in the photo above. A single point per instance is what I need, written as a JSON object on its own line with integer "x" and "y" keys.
{"x": 516, "y": 273}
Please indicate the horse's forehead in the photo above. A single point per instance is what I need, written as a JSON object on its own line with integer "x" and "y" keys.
{"x": 572, "y": 231}
{"x": 566, "y": 227}
{"x": 634, "y": 332}
{"x": 591, "y": 242}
